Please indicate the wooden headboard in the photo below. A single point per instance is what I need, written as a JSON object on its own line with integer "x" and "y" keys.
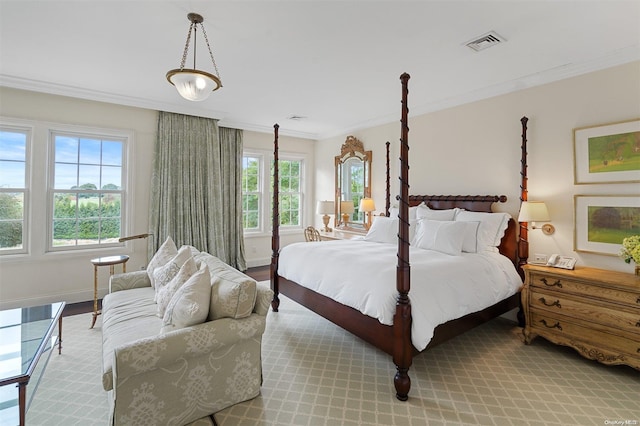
{"x": 475, "y": 203}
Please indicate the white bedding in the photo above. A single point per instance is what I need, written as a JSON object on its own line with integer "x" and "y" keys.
{"x": 362, "y": 275}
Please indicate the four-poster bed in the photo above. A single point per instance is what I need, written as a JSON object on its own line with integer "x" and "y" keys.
{"x": 395, "y": 337}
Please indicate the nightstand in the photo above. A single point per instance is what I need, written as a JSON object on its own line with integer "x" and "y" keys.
{"x": 594, "y": 311}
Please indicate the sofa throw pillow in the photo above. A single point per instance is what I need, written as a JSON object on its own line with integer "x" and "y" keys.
{"x": 439, "y": 235}
{"x": 231, "y": 298}
{"x": 164, "y": 254}
{"x": 162, "y": 275}
{"x": 163, "y": 297}
{"x": 190, "y": 303}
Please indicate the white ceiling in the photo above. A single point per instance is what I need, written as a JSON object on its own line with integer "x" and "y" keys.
{"x": 337, "y": 63}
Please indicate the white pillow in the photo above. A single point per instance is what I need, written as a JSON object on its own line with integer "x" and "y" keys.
{"x": 440, "y": 235}
{"x": 385, "y": 230}
{"x": 491, "y": 229}
{"x": 164, "y": 254}
{"x": 413, "y": 211}
{"x": 190, "y": 303}
{"x": 424, "y": 212}
{"x": 162, "y": 275}
{"x": 470, "y": 243}
{"x": 164, "y": 295}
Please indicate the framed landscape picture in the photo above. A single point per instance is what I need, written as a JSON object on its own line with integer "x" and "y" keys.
{"x": 603, "y": 221}
{"x": 608, "y": 153}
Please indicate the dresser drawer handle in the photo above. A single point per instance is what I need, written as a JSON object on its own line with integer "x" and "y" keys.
{"x": 556, "y": 303}
{"x": 558, "y": 284}
{"x": 556, "y": 325}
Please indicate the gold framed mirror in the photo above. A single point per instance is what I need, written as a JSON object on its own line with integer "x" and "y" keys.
{"x": 353, "y": 182}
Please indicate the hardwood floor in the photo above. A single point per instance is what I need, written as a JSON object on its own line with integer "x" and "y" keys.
{"x": 260, "y": 273}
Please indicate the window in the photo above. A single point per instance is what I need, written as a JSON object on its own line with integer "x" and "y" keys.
{"x": 289, "y": 172}
{"x": 251, "y": 195}
{"x": 87, "y": 190}
{"x": 256, "y": 195}
{"x": 14, "y": 172}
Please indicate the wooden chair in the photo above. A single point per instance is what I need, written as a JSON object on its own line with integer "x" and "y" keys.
{"x": 311, "y": 234}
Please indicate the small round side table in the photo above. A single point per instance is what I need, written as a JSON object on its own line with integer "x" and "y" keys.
{"x": 109, "y": 261}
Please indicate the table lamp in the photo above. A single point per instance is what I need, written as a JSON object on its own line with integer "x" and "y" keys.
{"x": 325, "y": 208}
{"x": 346, "y": 209}
{"x": 367, "y": 206}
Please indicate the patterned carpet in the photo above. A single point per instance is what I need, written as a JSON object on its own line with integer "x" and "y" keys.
{"x": 317, "y": 374}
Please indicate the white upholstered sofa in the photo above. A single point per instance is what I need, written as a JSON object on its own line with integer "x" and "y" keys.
{"x": 164, "y": 370}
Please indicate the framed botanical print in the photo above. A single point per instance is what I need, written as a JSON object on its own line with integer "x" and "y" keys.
{"x": 603, "y": 221}
{"x": 608, "y": 153}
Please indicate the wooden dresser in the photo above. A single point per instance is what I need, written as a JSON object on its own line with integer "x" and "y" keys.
{"x": 594, "y": 311}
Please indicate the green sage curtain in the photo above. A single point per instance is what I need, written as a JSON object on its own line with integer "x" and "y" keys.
{"x": 196, "y": 193}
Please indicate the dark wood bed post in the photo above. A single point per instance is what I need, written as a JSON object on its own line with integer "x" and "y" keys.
{"x": 275, "y": 229}
{"x": 402, "y": 346}
{"x": 387, "y": 205}
{"x": 523, "y": 239}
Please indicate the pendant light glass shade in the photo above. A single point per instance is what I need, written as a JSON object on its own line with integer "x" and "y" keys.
{"x": 193, "y": 85}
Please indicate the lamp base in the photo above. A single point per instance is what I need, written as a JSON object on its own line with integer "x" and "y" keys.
{"x": 325, "y": 221}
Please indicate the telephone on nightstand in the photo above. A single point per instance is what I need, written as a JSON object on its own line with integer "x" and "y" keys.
{"x": 563, "y": 262}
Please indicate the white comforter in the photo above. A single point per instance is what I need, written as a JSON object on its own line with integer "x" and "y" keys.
{"x": 362, "y": 274}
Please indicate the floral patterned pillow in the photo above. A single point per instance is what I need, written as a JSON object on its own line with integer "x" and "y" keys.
{"x": 165, "y": 293}
{"x": 162, "y": 275}
{"x": 164, "y": 254}
{"x": 190, "y": 303}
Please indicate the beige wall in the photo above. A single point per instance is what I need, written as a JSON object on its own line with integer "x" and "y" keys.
{"x": 475, "y": 149}
{"x": 42, "y": 277}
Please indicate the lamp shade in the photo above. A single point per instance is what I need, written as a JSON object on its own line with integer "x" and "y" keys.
{"x": 367, "y": 205}
{"x": 533, "y": 211}
{"x": 325, "y": 207}
{"x": 347, "y": 207}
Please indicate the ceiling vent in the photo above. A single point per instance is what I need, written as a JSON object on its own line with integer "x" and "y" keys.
{"x": 485, "y": 41}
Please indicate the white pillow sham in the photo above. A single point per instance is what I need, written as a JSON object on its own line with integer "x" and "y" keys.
{"x": 440, "y": 235}
{"x": 385, "y": 230}
{"x": 413, "y": 212}
{"x": 490, "y": 230}
{"x": 470, "y": 243}
{"x": 424, "y": 212}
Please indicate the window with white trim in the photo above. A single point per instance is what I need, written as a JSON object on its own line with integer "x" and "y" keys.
{"x": 14, "y": 181}
{"x": 257, "y": 184}
{"x": 290, "y": 188}
{"x": 87, "y": 188}
{"x": 251, "y": 192}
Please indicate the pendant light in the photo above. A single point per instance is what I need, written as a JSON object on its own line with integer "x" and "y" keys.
{"x": 194, "y": 84}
